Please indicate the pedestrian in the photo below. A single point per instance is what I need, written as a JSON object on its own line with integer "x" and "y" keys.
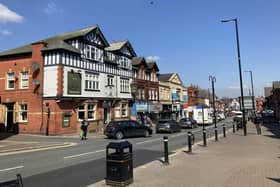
{"x": 84, "y": 127}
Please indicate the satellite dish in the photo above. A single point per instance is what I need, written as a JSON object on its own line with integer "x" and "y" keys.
{"x": 35, "y": 82}
{"x": 35, "y": 66}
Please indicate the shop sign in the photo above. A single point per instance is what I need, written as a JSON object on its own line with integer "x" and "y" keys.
{"x": 155, "y": 107}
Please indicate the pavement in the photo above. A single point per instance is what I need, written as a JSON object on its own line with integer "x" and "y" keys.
{"x": 234, "y": 161}
{"x": 19, "y": 143}
{"x": 237, "y": 160}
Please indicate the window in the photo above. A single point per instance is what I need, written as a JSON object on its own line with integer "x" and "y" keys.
{"x": 91, "y": 111}
{"x": 11, "y": 81}
{"x": 81, "y": 112}
{"x": 124, "y": 109}
{"x": 87, "y": 111}
{"x": 117, "y": 110}
{"x": 24, "y": 80}
{"x": 110, "y": 80}
{"x": 23, "y": 113}
{"x": 91, "y": 81}
{"x": 124, "y": 85}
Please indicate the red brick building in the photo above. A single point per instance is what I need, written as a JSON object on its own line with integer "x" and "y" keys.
{"x": 50, "y": 86}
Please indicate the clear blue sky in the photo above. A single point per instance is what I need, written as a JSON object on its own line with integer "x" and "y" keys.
{"x": 184, "y": 36}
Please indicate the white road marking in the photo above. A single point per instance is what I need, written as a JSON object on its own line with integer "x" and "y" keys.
{"x": 83, "y": 154}
{"x": 8, "y": 169}
{"x": 148, "y": 141}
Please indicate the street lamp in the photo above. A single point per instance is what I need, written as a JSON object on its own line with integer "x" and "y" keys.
{"x": 240, "y": 73}
{"x": 213, "y": 79}
{"x": 252, "y": 85}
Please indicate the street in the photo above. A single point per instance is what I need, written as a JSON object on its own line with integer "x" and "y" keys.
{"x": 85, "y": 163}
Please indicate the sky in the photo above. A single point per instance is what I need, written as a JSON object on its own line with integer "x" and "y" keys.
{"x": 182, "y": 36}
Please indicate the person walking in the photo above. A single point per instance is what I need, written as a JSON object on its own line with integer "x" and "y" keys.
{"x": 84, "y": 128}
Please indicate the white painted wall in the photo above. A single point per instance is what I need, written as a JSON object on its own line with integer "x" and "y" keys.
{"x": 50, "y": 81}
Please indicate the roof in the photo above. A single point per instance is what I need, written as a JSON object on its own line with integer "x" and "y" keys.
{"x": 152, "y": 65}
{"x": 276, "y": 84}
{"x": 55, "y": 42}
{"x": 117, "y": 46}
{"x": 165, "y": 77}
{"x": 136, "y": 61}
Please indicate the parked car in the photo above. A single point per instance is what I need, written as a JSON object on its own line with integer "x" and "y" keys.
{"x": 187, "y": 123}
{"x": 127, "y": 128}
{"x": 167, "y": 126}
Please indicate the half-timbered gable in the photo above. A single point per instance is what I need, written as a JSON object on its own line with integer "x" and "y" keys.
{"x": 81, "y": 76}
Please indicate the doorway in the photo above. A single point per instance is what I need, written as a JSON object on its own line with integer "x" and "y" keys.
{"x": 9, "y": 117}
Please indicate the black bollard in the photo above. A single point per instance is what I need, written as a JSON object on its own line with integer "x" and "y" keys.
{"x": 233, "y": 127}
{"x": 224, "y": 130}
{"x": 204, "y": 138}
{"x": 190, "y": 141}
{"x": 216, "y": 134}
{"x": 165, "y": 141}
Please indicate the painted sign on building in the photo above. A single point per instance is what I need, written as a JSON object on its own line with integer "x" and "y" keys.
{"x": 74, "y": 84}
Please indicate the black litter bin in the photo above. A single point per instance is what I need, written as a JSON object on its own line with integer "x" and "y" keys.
{"x": 119, "y": 163}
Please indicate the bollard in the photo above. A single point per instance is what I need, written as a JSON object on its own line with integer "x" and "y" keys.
{"x": 233, "y": 127}
{"x": 224, "y": 129}
{"x": 190, "y": 141}
{"x": 204, "y": 138}
{"x": 165, "y": 141}
{"x": 216, "y": 134}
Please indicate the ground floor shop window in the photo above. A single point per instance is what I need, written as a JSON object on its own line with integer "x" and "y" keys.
{"x": 124, "y": 109}
{"x": 91, "y": 111}
{"x": 87, "y": 111}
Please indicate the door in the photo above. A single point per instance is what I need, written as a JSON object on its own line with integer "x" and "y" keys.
{"x": 105, "y": 114}
{"x": 9, "y": 117}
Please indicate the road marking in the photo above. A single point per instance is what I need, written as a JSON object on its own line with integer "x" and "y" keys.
{"x": 8, "y": 169}
{"x": 148, "y": 141}
{"x": 83, "y": 154}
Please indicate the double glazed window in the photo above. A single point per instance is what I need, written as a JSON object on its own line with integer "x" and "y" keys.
{"x": 91, "y": 82}
{"x": 24, "y": 80}
{"x": 11, "y": 80}
{"x": 124, "y": 85}
{"x": 23, "y": 113}
{"x": 87, "y": 111}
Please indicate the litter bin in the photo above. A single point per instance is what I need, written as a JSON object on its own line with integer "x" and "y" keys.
{"x": 119, "y": 163}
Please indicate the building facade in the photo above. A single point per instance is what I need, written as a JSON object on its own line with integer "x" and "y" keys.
{"x": 50, "y": 86}
{"x": 171, "y": 95}
{"x": 146, "y": 89}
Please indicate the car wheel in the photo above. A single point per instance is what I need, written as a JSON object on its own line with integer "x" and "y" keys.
{"x": 119, "y": 135}
{"x": 146, "y": 133}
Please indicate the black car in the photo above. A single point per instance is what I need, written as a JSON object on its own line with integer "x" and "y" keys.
{"x": 126, "y": 128}
{"x": 188, "y": 123}
{"x": 167, "y": 126}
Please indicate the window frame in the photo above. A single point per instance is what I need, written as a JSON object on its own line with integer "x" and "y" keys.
{"x": 23, "y": 112}
{"x": 13, "y": 79}
{"x": 24, "y": 80}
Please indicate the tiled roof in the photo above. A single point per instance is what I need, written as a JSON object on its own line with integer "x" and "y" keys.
{"x": 138, "y": 60}
{"x": 116, "y": 45}
{"x": 56, "y": 42}
{"x": 165, "y": 77}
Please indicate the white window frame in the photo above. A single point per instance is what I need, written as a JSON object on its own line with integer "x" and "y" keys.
{"x": 81, "y": 109}
{"x": 123, "y": 110}
{"x": 23, "y": 112}
{"x": 11, "y": 78}
{"x": 91, "y": 81}
{"x": 24, "y": 80}
{"x": 91, "y": 108}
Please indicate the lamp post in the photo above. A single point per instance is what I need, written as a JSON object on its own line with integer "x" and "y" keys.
{"x": 252, "y": 87}
{"x": 213, "y": 80}
{"x": 240, "y": 74}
